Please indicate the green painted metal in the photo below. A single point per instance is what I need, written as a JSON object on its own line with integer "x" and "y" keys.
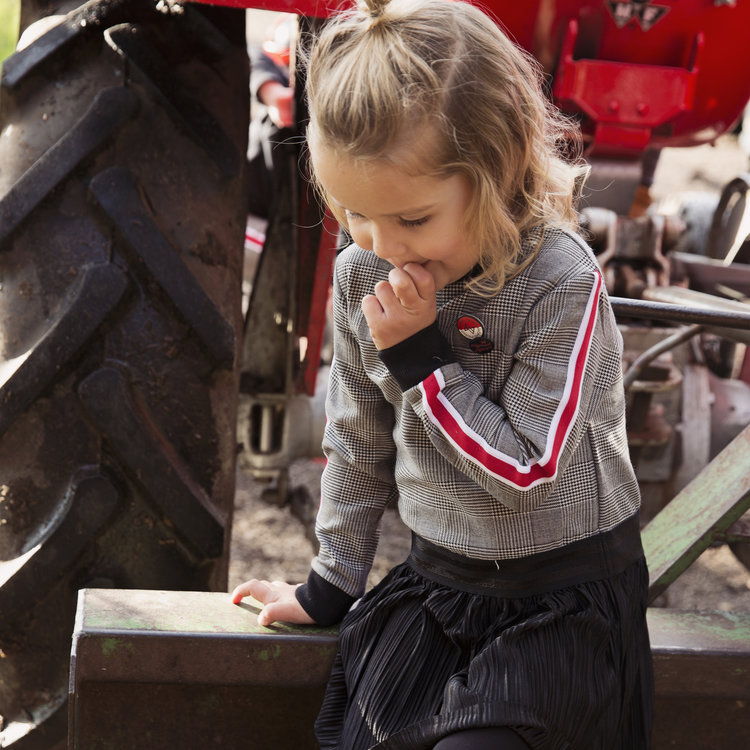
{"x": 701, "y": 655}
{"x": 699, "y": 515}
{"x": 195, "y": 612}
{"x": 156, "y": 669}
{"x": 192, "y": 637}
{"x": 679, "y": 632}
{"x": 701, "y": 679}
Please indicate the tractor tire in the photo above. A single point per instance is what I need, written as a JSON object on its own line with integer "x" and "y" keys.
{"x": 123, "y": 132}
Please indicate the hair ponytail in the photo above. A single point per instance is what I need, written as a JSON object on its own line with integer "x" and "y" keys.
{"x": 375, "y": 9}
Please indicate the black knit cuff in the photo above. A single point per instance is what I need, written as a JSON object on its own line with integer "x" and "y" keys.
{"x": 325, "y": 603}
{"x": 413, "y": 359}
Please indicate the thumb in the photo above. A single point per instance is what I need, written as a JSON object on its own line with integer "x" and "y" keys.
{"x": 270, "y": 614}
{"x": 423, "y": 280}
{"x": 284, "y": 611}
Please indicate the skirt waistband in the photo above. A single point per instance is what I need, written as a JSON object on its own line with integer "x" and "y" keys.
{"x": 595, "y": 558}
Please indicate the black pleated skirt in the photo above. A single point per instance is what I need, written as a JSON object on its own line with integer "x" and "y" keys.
{"x": 554, "y": 645}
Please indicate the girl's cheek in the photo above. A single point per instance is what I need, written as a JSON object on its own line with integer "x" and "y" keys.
{"x": 361, "y": 238}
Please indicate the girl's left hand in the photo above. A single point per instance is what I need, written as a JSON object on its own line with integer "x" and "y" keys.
{"x": 278, "y": 598}
{"x": 401, "y": 306}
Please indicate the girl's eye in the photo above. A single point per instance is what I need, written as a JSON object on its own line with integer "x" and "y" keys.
{"x": 353, "y": 216}
{"x": 413, "y": 222}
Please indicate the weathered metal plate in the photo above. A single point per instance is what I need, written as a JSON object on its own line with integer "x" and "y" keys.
{"x": 718, "y": 647}
{"x": 702, "y": 679}
{"x": 155, "y": 669}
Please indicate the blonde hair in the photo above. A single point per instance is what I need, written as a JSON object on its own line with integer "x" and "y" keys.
{"x": 383, "y": 73}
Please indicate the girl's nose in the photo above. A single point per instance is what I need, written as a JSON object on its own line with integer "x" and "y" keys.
{"x": 386, "y": 245}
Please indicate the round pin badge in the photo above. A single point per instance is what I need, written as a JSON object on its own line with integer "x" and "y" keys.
{"x": 471, "y": 328}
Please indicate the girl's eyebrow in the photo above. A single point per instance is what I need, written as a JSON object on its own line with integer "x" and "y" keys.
{"x": 412, "y": 211}
{"x": 416, "y": 210}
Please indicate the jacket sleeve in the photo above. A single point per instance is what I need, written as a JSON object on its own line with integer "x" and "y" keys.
{"x": 357, "y": 482}
{"x": 516, "y": 445}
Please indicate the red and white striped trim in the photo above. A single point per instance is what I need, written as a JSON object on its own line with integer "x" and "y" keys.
{"x": 254, "y": 239}
{"x": 476, "y": 449}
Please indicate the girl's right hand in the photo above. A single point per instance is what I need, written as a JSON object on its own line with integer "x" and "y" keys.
{"x": 279, "y": 599}
{"x": 401, "y": 306}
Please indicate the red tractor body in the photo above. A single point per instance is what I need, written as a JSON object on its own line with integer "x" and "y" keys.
{"x": 639, "y": 73}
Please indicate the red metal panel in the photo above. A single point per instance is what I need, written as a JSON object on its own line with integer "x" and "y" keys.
{"x": 311, "y": 8}
{"x": 694, "y": 103}
{"x": 624, "y": 101}
{"x": 316, "y": 264}
{"x": 721, "y": 85}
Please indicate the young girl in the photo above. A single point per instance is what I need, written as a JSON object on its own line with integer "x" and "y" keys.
{"x": 476, "y": 383}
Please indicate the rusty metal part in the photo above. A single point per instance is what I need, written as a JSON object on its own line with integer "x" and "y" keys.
{"x": 636, "y": 308}
{"x": 711, "y": 305}
{"x": 730, "y": 227}
{"x": 657, "y": 378}
{"x": 654, "y": 430}
{"x": 708, "y": 275}
{"x": 654, "y": 413}
{"x": 650, "y": 428}
{"x": 631, "y": 252}
{"x": 637, "y": 367}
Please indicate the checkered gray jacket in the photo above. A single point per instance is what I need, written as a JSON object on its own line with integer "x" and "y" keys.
{"x": 499, "y": 432}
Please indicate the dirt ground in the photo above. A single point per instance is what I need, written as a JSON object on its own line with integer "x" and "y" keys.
{"x": 269, "y": 542}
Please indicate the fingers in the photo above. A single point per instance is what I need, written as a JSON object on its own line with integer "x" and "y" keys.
{"x": 411, "y": 288}
{"x": 263, "y": 591}
{"x": 279, "y": 599}
{"x": 255, "y": 588}
{"x": 371, "y": 307}
{"x": 284, "y": 611}
{"x": 401, "y": 306}
{"x": 270, "y": 614}
{"x": 412, "y": 278}
{"x": 399, "y": 288}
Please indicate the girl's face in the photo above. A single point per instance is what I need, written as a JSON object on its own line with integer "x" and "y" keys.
{"x": 401, "y": 217}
